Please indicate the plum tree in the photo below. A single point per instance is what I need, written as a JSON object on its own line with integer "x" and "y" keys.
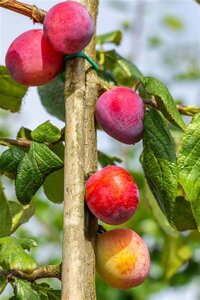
{"x": 36, "y": 156}
{"x": 112, "y": 195}
{"x": 120, "y": 112}
{"x": 69, "y": 27}
{"x": 31, "y": 60}
{"x": 122, "y": 258}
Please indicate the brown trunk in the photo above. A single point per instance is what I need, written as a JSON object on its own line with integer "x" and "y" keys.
{"x": 78, "y": 265}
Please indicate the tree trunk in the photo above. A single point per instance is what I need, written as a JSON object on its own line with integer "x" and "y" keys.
{"x": 78, "y": 264}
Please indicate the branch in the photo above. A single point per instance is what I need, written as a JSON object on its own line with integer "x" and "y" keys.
{"x": 31, "y": 11}
{"x": 184, "y": 110}
{"x": 50, "y": 271}
{"x": 19, "y": 143}
{"x": 24, "y": 143}
{"x": 188, "y": 110}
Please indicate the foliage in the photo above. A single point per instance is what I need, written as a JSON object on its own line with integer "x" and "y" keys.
{"x": 123, "y": 71}
{"x": 7, "y": 94}
{"x": 52, "y": 97}
{"x": 169, "y": 213}
{"x": 111, "y": 37}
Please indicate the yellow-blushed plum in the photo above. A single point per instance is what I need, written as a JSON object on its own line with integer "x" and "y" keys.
{"x": 122, "y": 258}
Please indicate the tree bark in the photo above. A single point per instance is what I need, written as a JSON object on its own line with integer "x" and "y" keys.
{"x": 78, "y": 263}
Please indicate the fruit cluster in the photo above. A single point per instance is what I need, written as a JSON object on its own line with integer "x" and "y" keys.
{"x": 122, "y": 257}
{"x": 36, "y": 56}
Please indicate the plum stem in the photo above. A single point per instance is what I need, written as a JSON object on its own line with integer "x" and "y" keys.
{"x": 101, "y": 230}
{"x": 183, "y": 109}
{"x": 32, "y": 11}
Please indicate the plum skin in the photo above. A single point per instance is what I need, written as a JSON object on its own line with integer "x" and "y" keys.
{"x": 112, "y": 195}
{"x": 69, "y": 27}
{"x": 120, "y": 112}
{"x": 122, "y": 258}
{"x": 31, "y": 60}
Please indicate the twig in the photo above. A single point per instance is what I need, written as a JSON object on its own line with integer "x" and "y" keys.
{"x": 32, "y": 11}
{"x": 188, "y": 110}
{"x": 103, "y": 86}
{"x": 24, "y": 143}
{"x": 183, "y": 109}
{"x": 19, "y": 143}
{"x": 50, "y": 271}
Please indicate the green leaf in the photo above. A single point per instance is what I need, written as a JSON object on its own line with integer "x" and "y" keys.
{"x": 27, "y": 243}
{"x": 3, "y": 283}
{"x": 59, "y": 150}
{"x": 106, "y": 160}
{"x": 33, "y": 169}
{"x": 173, "y": 23}
{"x": 24, "y": 133}
{"x": 175, "y": 254}
{"x": 11, "y": 93}
{"x": 160, "y": 167}
{"x": 183, "y": 217}
{"x": 124, "y": 72}
{"x": 189, "y": 166}
{"x": 46, "y": 133}
{"x": 46, "y": 292}
{"x": 13, "y": 256}
{"x": 54, "y": 183}
{"x": 52, "y": 97}
{"x": 9, "y": 161}
{"x": 106, "y": 75}
{"x": 164, "y": 100}
{"x": 5, "y": 215}
{"x": 157, "y": 214}
{"x": 23, "y": 290}
{"x": 20, "y": 213}
{"x": 113, "y": 37}
{"x": 159, "y": 162}
{"x": 54, "y": 186}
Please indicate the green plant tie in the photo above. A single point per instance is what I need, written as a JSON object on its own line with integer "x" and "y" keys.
{"x": 83, "y": 55}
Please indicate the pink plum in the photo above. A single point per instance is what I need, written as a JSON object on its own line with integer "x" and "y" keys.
{"x": 112, "y": 195}
{"x": 31, "y": 60}
{"x": 69, "y": 27}
{"x": 122, "y": 258}
{"x": 120, "y": 112}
